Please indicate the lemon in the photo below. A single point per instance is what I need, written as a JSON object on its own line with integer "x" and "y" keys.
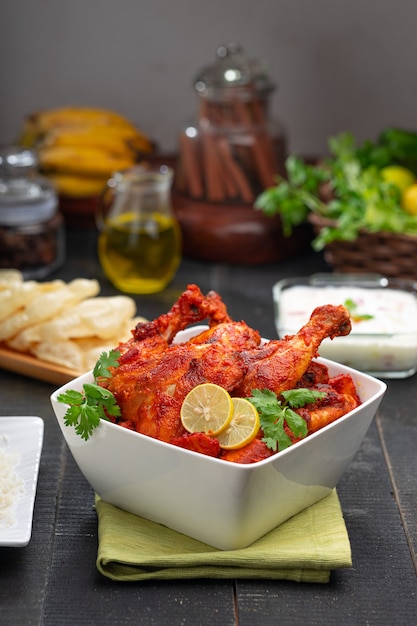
{"x": 399, "y": 176}
{"x": 409, "y": 199}
{"x": 207, "y": 408}
{"x": 243, "y": 427}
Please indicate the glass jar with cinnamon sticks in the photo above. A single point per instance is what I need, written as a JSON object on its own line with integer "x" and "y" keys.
{"x": 235, "y": 149}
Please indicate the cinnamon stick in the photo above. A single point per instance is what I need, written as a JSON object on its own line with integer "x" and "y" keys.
{"x": 192, "y": 165}
{"x": 236, "y": 174}
{"x": 261, "y": 121}
{"x": 211, "y": 169}
{"x": 264, "y": 167}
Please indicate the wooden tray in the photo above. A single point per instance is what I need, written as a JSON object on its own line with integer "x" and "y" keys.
{"x": 28, "y": 365}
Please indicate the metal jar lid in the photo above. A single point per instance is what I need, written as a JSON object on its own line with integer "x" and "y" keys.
{"x": 25, "y": 196}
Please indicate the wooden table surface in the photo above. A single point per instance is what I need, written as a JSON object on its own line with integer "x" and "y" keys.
{"x": 54, "y": 580}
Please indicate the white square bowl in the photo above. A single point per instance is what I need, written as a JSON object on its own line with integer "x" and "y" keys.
{"x": 223, "y": 504}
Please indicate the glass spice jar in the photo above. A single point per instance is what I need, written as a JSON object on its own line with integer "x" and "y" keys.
{"x": 32, "y": 237}
{"x": 235, "y": 150}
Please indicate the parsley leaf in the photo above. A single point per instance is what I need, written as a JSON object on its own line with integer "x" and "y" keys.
{"x": 275, "y": 415}
{"x": 86, "y": 408}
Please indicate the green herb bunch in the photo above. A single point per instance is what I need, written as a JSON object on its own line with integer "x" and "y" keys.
{"x": 347, "y": 188}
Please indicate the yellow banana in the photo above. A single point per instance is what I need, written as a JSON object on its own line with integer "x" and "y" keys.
{"x": 82, "y": 160}
{"x": 115, "y": 145}
{"x": 38, "y": 125}
{"x": 51, "y": 118}
{"x": 78, "y": 186}
{"x": 114, "y": 138}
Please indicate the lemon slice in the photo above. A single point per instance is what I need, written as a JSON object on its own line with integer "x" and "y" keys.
{"x": 207, "y": 408}
{"x": 243, "y": 426}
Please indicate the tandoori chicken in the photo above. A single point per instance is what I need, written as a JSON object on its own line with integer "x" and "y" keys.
{"x": 155, "y": 373}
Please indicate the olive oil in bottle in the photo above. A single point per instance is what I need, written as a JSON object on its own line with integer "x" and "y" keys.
{"x": 140, "y": 256}
{"x": 139, "y": 244}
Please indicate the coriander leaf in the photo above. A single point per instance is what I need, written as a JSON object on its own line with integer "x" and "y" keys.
{"x": 72, "y": 414}
{"x": 295, "y": 423}
{"x": 352, "y": 307}
{"x": 342, "y": 146}
{"x": 275, "y": 436}
{"x": 86, "y": 408}
{"x": 101, "y": 369}
{"x": 94, "y": 392}
{"x": 277, "y": 415}
{"x": 297, "y": 398}
{"x": 89, "y": 419}
{"x": 295, "y": 197}
{"x": 264, "y": 400}
{"x": 71, "y": 397}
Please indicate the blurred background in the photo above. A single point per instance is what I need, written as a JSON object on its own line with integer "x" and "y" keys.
{"x": 338, "y": 64}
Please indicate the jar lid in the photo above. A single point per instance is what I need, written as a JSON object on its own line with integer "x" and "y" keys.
{"x": 17, "y": 161}
{"x": 25, "y": 196}
{"x": 232, "y": 71}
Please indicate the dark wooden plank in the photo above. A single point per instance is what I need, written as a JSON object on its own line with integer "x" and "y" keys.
{"x": 78, "y": 594}
{"x": 398, "y": 431}
{"x": 24, "y": 571}
{"x": 379, "y": 589}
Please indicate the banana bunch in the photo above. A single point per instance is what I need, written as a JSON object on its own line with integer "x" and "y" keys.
{"x": 80, "y": 147}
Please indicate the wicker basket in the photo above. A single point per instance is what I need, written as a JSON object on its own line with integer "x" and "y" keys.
{"x": 390, "y": 254}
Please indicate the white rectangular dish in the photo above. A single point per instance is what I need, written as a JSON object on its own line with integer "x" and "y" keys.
{"x": 383, "y": 341}
{"x": 21, "y": 439}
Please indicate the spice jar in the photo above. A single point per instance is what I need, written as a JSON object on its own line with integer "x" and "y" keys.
{"x": 229, "y": 155}
{"x": 32, "y": 237}
{"x": 235, "y": 150}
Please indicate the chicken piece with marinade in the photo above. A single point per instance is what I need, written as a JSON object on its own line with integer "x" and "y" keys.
{"x": 155, "y": 374}
{"x": 279, "y": 365}
{"x": 191, "y": 307}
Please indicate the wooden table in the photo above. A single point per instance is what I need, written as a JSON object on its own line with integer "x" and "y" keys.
{"x": 54, "y": 580}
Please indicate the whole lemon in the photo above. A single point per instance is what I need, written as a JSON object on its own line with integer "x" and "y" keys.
{"x": 399, "y": 176}
{"x": 409, "y": 199}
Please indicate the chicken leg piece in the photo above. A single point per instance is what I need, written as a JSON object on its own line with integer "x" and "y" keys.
{"x": 278, "y": 365}
{"x": 191, "y": 307}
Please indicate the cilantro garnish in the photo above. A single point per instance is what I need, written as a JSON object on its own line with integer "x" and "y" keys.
{"x": 352, "y": 307}
{"x": 86, "y": 408}
{"x": 274, "y": 414}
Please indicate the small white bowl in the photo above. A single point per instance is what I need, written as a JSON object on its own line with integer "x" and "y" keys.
{"x": 384, "y": 345}
{"x": 223, "y": 504}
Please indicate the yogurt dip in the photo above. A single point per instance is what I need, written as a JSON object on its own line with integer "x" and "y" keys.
{"x": 383, "y": 340}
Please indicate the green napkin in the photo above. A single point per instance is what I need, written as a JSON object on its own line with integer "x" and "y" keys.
{"x": 306, "y": 548}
